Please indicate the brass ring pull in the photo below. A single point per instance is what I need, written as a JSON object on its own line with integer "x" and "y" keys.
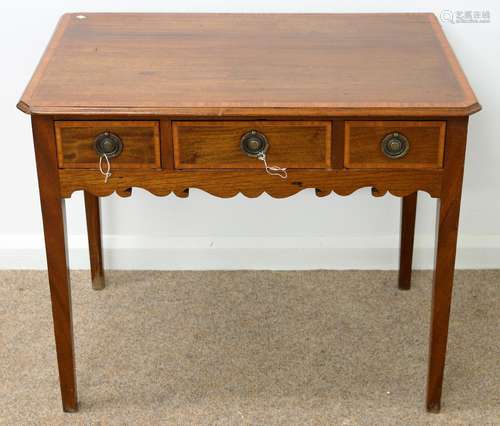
{"x": 254, "y": 143}
{"x": 108, "y": 144}
{"x": 395, "y": 145}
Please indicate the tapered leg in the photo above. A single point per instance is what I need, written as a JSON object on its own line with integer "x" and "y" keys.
{"x": 54, "y": 226}
{"x": 408, "y": 213}
{"x": 446, "y": 241}
{"x": 92, "y": 212}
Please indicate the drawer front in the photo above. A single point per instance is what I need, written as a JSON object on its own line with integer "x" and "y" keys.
{"x": 217, "y": 144}
{"x": 76, "y": 143}
{"x": 394, "y": 144}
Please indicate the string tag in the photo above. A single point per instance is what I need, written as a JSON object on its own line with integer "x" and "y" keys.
{"x": 272, "y": 170}
{"x": 107, "y": 172}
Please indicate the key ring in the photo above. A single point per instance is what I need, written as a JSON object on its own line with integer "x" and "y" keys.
{"x": 272, "y": 170}
{"x": 106, "y": 173}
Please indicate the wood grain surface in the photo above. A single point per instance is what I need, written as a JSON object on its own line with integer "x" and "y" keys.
{"x": 363, "y": 144}
{"x": 54, "y": 229}
{"x": 216, "y": 144}
{"x": 93, "y": 216}
{"x": 248, "y": 64}
{"x": 252, "y": 182}
{"x": 408, "y": 216}
{"x": 448, "y": 212}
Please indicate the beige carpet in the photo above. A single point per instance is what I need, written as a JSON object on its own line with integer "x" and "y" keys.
{"x": 250, "y": 348}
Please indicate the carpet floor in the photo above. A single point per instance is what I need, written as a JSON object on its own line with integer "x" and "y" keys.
{"x": 250, "y": 348}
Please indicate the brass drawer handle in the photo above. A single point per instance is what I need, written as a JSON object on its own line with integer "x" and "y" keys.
{"x": 255, "y": 144}
{"x": 108, "y": 144}
{"x": 395, "y": 145}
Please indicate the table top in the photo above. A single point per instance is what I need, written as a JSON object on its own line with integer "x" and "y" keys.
{"x": 249, "y": 64}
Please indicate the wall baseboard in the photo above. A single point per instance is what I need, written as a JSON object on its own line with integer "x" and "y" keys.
{"x": 138, "y": 252}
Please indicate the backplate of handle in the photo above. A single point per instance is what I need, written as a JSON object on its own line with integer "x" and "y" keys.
{"x": 108, "y": 144}
{"x": 254, "y": 143}
{"x": 395, "y": 145}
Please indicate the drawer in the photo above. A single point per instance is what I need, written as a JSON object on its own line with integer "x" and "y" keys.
{"x": 139, "y": 142}
{"x": 394, "y": 144}
{"x": 217, "y": 144}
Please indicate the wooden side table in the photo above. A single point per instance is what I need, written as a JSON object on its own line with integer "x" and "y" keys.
{"x": 232, "y": 103}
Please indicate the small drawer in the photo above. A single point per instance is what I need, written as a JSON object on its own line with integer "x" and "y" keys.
{"x": 137, "y": 143}
{"x": 219, "y": 144}
{"x": 394, "y": 144}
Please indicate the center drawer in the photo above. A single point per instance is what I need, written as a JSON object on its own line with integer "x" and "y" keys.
{"x": 218, "y": 144}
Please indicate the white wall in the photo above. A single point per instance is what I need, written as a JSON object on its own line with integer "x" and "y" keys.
{"x": 205, "y": 232}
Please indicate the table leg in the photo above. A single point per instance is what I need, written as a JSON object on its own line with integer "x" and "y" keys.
{"x": 92, "y": 211}
{"x": 408, "y": 213}
{"x": 446, "y": 242}
{"x": 54, "y": 226}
